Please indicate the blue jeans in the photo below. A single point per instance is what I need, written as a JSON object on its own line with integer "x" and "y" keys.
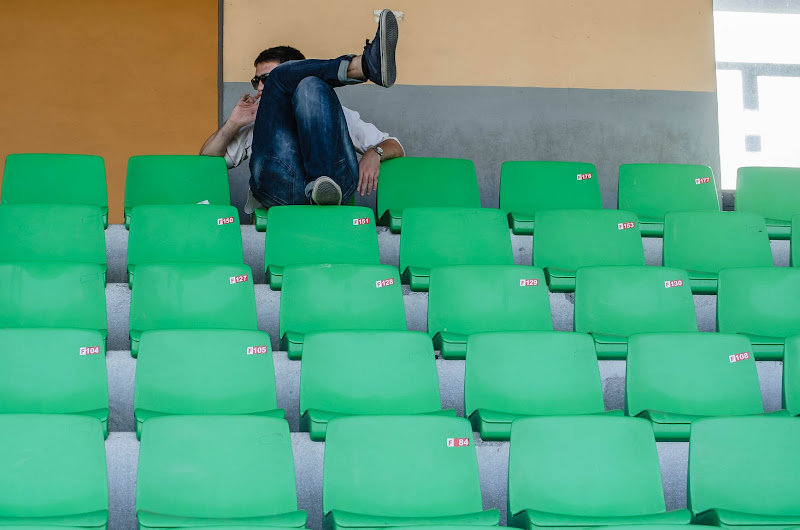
{"x": 300, "y": 133}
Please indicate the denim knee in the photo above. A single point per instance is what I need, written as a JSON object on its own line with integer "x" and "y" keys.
{"x": 311, "y": 89}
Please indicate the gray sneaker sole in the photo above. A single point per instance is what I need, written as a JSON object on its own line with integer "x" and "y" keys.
{"x": 326, "y": 192}
{"x": 389, "y": 34}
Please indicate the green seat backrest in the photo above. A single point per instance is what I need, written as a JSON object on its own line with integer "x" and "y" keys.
{"x": 695, "y": 374}
{"x": 369, "y": 372}
{"x": 54, "y": 470}
{"x": 748, "y": 465}
{"x": 532, "y": 373}
{"x": 52, "y": 232}
{"x": 52, "y": 295}
{"x": 400, "y": 466}
{"x": 771, "y": 192}
{"x": 568, "y": 239}
{"x": 599, "y": 466}
{"x": 409, "y": 182}
{"x": 434, "y": 237}
{"x": 204, "y": 371}
{"x": 791, "y": 375}
{"x": 184, "y": 233}
{"x": 53, "y": 371}
{"x": 55, "y": 179}
{"x": 309, "y": 235}
{"x": 626, "y": 300}
{"x": 473, "y": 298}
{"x": 176, "y": 179}
{"x": 759, "y": 301}
{"x": 711, "y": 241}
{"x": 215, "y": 467}
{"x": 192, "y": 296}
{"x": 530, "y": 186}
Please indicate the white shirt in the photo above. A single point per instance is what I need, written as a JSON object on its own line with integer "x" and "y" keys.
{"x": 363, "y": 135}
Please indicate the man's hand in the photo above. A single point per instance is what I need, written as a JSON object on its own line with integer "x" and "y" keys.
{"x": 368, "y": 170}
{"x": 244, "y": 113}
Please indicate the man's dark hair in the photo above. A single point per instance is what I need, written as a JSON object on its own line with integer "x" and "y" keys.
{"x": 279, "y": 54}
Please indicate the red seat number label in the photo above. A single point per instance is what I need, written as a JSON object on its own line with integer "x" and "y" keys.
{"x": 704, "y": 180}
{"x": 739, "y": 357}
{"x": 238, "y": 279}
{"x": 529, "y": 283}
{"x": 584, "y": 176}
{"x": 91, "y": 350}
{"x": 225, "y": 221}
{"x": 361, "y": 221}
{"x": 384, "y": 283}
{"x": 457, "y": 442}
{"x": 673, "y": 283}
{"x": 256, "y": 350}
{"x": 625, "y": 226}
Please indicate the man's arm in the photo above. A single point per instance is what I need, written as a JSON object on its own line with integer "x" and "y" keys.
{"x": 244, "y": 113}
{"x": 369, "y": 167}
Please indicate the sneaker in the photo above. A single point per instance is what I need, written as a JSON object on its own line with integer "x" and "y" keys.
{"x": 326, "y": 192}
{"x": 379, "y": 55}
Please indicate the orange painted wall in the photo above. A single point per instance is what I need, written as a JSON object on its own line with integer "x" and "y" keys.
{"x": 113, "y": 79}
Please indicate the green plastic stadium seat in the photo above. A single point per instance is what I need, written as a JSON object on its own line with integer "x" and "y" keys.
{"x": 791, "y": 376}
{"x": 204, "y": 371}
{"x": 565, "y": 240}
{"x": 53, "y": 371}
{"x": 348, "y": 373}
{"x": 527, "y": 187}
{"x": 771, "y": 192}
{"x": 338, "y": 297}
{"x": 613, "y": 303}
{"x": 52, "y": 232}
{"x": 33, "y": 178}
{"x": 653, "y": 190}
{"x": 435, "y": 237}
{"x": 794, "y": 254}
{"x": 675, "y": 378}
{"x": 401, "y": 470}
{"x": 260, "y": 215}
{"x": 49, "y": 294}
{"x": 217, "y": 471}
{"x": 744, "y": 473}
{"x": 54, "y": 471}
{"x": 410, "y": 182}
{"x": 184, "y": 233}
{"x": 704, "y": 243}
{"x": 176, "y": 179}
{"x": 762, "y": 303}
{"x": 585, "y": 471}
{"x": 310, "y": 235}
{"x": 467, "y": 299}
{"x": 529, "y": 373}
{"x": 191, "y": 296}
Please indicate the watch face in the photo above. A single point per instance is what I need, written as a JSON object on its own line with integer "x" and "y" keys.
{"x": 379, "y": 151}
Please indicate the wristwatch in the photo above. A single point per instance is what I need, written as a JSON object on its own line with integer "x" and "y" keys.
{"x": 378, "y": 150}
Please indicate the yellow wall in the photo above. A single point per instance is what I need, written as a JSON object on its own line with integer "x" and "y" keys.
{"x": 109, "y": 78}
{"x": 608, "y": 44}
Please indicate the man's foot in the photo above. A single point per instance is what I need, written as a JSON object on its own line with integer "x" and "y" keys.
{"x": 326, "y": 192}
{"x": 379, "y": 56}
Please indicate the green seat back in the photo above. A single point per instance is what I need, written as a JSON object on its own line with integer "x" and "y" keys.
{"x": 590, "y": 466}
{"x": 176, "y": 179}
{"x": 526, "y": 187}
{"x": 181, "y": 233}
{"x": 771, "y": 192}
{"x": 366, "y": 372}
{"x": 339, "y": 297}
{"x": 309, "y": 235}
{"x": 400, "y": 467}
{"x": 565, "y": 240}
{"x": 191, "y": 296}
{"x": 673, "y": 378}
{"x": 791, "y": 376}
{"x": 33, "y": 178}
{"x": 195, "y": 470}
{"x": 54, "y": 471}
{"x": 52, "y": 232}
{"x": 653, "y": 190}
{"x": 435, "y": 237}
{"x": 745, "y": 469}
{"x": 536, "y": 373}
{"x": 52, "y": 295}
{"x": 410, "y": 182}
{"x": 203, "y": 371}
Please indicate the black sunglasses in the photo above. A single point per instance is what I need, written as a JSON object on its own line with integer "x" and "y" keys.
{"x": 258, "y": 79}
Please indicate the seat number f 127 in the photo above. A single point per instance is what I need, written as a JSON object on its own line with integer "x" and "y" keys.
{"x": 238, "y": 279}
